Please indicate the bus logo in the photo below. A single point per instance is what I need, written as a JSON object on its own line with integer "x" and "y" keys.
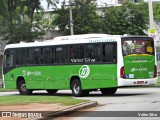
{"x": 140, "y": 69}
{"x": 84, "y": 71}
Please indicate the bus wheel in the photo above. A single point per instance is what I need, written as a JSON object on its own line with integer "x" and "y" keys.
{"x": 76, "y": 88}
{"x": 22, "y": 88}
{"x": 108, "y": 91}
{"x": 51, "y": 91}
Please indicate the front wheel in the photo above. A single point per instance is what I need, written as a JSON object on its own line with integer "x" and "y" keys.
{"x": 108, "y": 91}
{"x": 23, "y": 89}
{"x": 77, "y": 89}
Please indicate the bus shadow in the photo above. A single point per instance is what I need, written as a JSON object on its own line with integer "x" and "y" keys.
{"x": 57, "y": 94}
{"x": 119, "y": 95}
{"x": 92, "y": 95}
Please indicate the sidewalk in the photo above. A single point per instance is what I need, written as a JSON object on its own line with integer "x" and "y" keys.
{"x": 68, "y": 110}
{"x": 47, "y": 111}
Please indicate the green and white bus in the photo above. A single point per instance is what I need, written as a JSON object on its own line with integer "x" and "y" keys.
{"x": 82, "y": 63}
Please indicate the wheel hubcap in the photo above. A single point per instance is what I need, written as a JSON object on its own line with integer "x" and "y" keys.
{"x": 76, "y": 88}
{"x": 23, "y": 88}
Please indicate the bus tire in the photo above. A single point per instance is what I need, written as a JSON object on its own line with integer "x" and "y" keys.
{"x": 77, "y": 89}
{"x": 22, "y": 88}
{"x": 51, "y": 91}
{"x": 108, "y": 91}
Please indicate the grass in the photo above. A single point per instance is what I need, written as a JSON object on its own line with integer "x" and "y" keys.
{"x": 16, "y": 100}
{"x": 158, "y": 83}
{"x": 5, "y": 90}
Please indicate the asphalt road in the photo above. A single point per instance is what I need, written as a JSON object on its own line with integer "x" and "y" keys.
{"x": 126, "y": 99}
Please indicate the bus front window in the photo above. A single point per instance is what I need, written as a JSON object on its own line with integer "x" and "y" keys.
{"x": 137, "y": 47}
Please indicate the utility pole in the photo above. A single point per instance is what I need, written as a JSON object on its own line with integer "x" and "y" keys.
{"x": 151, "y": 21}
{"x": 152, "y": 31}
{"x": 70, "y": 15}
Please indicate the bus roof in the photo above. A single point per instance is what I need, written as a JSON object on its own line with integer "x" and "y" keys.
{"x": 72, "y": 39}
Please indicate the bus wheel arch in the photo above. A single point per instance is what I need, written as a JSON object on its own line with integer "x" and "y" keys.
{"x": 20, "y": 78}
{"x": 73, "y": 78}
{"x": 76, "y": 87}
{"x": 21, "y": 86}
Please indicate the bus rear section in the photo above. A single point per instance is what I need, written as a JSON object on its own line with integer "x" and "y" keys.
{"x": 138, "y": 63}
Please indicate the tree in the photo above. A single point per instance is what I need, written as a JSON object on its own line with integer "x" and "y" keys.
{"x": 86, "y": 20}
{"x": 126, "y": 19}
{"x": 84, "y": 15}
{"x": 53, "y": 3}
{"x": 137, "y": 1}
{"x": 3, "y": 7}
{"x": 134, "y": 1}
{"x": 156, "y": 11}
{"x": 19, "y": 24}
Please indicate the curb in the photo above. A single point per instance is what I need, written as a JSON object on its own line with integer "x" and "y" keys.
{"x": 66, "y": 111}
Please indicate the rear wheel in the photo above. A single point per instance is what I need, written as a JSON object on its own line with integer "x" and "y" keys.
{"x": 51, "y": 91}
{"x": 23, "y": 89}
{"x": 77, "y": 89}
{"x": 108, "y": 91}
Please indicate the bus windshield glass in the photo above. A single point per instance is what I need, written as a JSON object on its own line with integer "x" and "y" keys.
{"x": 130, "y": 47}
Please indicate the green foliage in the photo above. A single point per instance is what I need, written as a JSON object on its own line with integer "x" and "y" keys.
{"x": 85, "y": 19}
{"x": 126, "y": 19}
{"x": 3, "y": 7}
{"x": 137, "y": 1}
{"x": 156, "y": 11}
{"x": 62, "y": 19}
{"x": 19, "y": 100}
{"x": 130, "y": 18}
{"x": 17, "y": 21}
{"x": 158, "y": 49}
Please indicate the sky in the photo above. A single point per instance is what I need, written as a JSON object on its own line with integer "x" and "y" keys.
{"x": 100, "y": 2}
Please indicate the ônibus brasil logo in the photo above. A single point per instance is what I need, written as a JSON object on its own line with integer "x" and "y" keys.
{"x": 84, "y": 71}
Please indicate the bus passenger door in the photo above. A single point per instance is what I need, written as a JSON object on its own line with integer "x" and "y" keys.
{"x": 47, "y": 61}
{"x": 108, "y": 69}
{"x": 9, "y": 64}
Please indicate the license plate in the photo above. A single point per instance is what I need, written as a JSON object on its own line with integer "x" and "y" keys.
{"x": 140, "y": 82}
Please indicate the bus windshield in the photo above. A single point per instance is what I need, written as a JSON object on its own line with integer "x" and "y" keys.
{"x": 130, "y": 47}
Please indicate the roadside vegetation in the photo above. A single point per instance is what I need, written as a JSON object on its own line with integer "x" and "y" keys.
{"x": 5, "y": 90}
{"x": 158, "y": 83}
{"x": 29, "y": 15}
{"x": 20, "y": 100}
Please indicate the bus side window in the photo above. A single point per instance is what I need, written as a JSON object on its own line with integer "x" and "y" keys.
{"x": 109, "y": 53}
{"x": 76, "y": 54}
{"x": 53, "y": 55}
{"x": 98, "y": 53}
{"x": 93, "y": 53}
{"x": 21, "y": 56}
{"x": 90, "y": 51}
{"x": 61, "y": 54}
{"x": 9, "y": 58}
{"x": 33, "y": 55}
{"x": 46, "y": 55}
